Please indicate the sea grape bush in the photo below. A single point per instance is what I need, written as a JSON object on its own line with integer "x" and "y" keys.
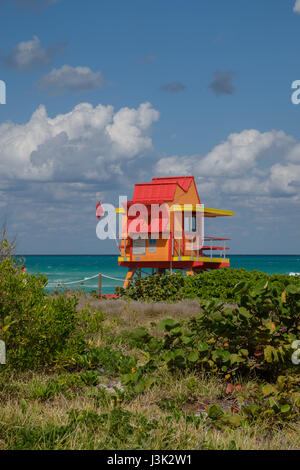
{"x": 251, "y": 339}
{"x": 213, "y": 284}
{"x": 111, "y": 360}
{"x": 255, "y": 336}
{"x": 155, "y": 288}
{"x": 38, "y": 330}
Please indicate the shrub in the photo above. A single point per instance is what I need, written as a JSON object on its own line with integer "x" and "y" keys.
{"x": 218, "y": 283}
{"x": 255, "y": 336}
{"x": 155, "y": 288}
{"x": 38, "y": 330}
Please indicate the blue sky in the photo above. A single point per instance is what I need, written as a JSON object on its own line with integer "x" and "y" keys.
{"x": 194, "y": 87}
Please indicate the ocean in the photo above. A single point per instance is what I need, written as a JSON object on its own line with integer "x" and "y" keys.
{"x": 66, "y": 271}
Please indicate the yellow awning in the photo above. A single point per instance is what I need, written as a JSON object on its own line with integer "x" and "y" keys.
{"x": 208, "y": 211}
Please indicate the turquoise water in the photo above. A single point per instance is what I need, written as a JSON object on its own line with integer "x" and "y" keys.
{"x": 64, "y": 269}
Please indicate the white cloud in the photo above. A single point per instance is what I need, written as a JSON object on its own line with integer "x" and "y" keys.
{"x": 297, "y": 7}
{"x": 174, "y": 166}
{"x": 248, "y": 165}
{"x": 129, "y": 129}
{"x": 240, "y": 152}
{"x": 69, "y": 78}
{"x": 54, "y": 170}
{"x": 27, "y": 55}
{"x": 294, "y": 154}
{"x": 284, "y": 180}
{"x": 85, "y": 144}
{"x": 242, "y": 186}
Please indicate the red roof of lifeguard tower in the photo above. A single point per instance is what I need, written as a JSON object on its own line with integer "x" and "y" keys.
{"x": 161, "y": 190}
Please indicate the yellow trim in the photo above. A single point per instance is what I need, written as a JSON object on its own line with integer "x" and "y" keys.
{"x": 191, "y": 208}
{"x": 204, "y": 259}
{"x": 121, "y": 258}
{"x": 200, "y": 208}
{"x": 208, "y": 210}
{"x": 187, "y": 207}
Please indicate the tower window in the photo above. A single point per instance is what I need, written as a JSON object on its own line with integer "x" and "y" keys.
{"x": 190, "y": 224}
{"x": 152, "y": 245}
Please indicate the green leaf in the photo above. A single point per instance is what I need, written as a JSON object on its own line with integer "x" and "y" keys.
{"x": 179, "y": 352}
{"x": 167, "y": 324}
{"x": 193, "y": 356}
{"x": 244, "y": 352}
{"x": 235, "y": 359}
{"x": 271, "y": 354}
{"x": 292, "y": 289}
{"x": 285, "y": 408}
{"x": 232, "y": 420}
{"x": 187, "y": 339}
{"x": 228, "y": 312}
{"x": 214, "y": 411}
{"x": 244, "y": 313}
{"x": 240, "y": 286}
{"x": 139, "y": 333}
{"x": 202, "y": 346}
{"x": 272, "y": 403}
{"x": 268, "y": 389}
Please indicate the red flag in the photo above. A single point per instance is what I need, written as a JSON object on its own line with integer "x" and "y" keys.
{"x": 99, "y": 210}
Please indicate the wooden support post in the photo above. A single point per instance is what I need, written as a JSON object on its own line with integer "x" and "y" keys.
{"x": 100, "y": 284}
{"x": 172, "y": 254}
{"x": 190, "y": 272}
{"x": 129, "y": 277}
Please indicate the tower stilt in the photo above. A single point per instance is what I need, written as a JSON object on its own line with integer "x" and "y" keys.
{"x": 190, "y": 272}
{"x": 129, "y": 277}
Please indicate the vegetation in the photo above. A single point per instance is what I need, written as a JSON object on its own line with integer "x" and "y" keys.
{"x": 208, "y": 373}
{"x": 218, "y": 284}
{"x": 38, "y": 330}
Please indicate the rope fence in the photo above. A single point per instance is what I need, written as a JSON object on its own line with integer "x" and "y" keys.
{"x": 82, "y": 281}
{"x": 100, "y": 275}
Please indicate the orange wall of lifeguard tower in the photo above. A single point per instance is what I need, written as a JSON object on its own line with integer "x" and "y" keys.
{"x": 161, "y": 254}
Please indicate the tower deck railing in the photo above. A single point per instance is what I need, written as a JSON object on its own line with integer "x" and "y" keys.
{"x": 192, "y": 248}
{"x": 198, "y": 247}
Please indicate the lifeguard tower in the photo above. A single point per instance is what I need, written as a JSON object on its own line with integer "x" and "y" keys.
{"x": 171, "y": 236}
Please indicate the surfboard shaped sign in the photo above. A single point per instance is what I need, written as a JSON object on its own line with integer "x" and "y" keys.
{"x": 2, "y": 352}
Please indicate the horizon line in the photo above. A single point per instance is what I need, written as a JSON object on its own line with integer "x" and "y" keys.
{"x": 113, "y": 254}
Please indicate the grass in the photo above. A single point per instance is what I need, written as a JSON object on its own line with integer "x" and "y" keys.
{"x": 91, "y": 409}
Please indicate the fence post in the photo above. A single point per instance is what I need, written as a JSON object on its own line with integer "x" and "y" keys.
{"x": 100, "y": 284}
